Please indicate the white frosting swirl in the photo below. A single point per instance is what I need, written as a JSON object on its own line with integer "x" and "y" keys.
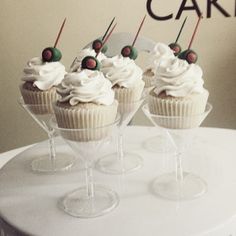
{"x": 43, "y": 75}
{"x": 159, "y": 52}
{"x": 122, "y": 71}
{"x": 76, "y": 65}
{"x": 86, "y": 86}
{"x": 178, "y": 78}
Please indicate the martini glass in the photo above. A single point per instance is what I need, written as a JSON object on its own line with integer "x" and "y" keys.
{"x": 90, "y": 200}
{"x": 52, "y": 162}
{"x": 158, "y": 143}
{"x": 179, "y": 185}
{"x": 122, "y": 162}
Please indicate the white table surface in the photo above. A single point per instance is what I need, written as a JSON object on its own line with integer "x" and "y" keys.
{"x": 28, "y": 201}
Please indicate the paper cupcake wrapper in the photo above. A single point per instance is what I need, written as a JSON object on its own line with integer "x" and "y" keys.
{"x": 127, "y": 95}
{"x": 149, "y": 81}
{"x": 182, "y": 113}
{"x": 41, "y": 99}
{"x": 87, "y": 117}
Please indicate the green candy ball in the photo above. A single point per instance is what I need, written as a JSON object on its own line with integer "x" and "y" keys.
{"x": 129, "y": 51}
{"x": 104, "y": 49}
{"x": 51, "y": 54}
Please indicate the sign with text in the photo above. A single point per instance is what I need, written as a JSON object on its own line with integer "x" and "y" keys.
{"x": 190, "y": 6}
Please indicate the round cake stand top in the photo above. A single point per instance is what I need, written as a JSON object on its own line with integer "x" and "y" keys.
{"x": 29, "y": 201}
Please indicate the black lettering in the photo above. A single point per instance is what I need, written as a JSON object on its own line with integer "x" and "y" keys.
{"x": 221, "y": 9}
{"x": 154, "y": 16}
{"x": 182, "y": 8}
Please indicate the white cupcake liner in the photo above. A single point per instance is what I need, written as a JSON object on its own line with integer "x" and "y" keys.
{"x": 85, "y": 116}
{"x": 127, "y": 95}
{"x": 179, "y": 113}
{"x": 149, "y": 81}
{"x": 41, "y": 101}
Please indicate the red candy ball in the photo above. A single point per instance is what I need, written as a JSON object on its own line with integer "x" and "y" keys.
{"x": 91, "y": 63}
{"x": 191, "y": 57}
{"x": 97, "y": 45}
{"x": 126, "y": 51}
{"x": 47, "y": 55}
{"x": 176, "y": 49}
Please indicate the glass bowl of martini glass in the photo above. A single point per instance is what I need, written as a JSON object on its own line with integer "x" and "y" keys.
{"x": 51, "y": 161}
{"x": 122, "y": 162}
{"x": 180, "y": 130}
{"x": 90, "y": 200}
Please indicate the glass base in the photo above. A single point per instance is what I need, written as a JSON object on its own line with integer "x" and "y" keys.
{"x": 78, "y": 204}
{"x": 110, "y": 164}
{"x": 157, "y": 144}
{"x": 190, "y": 188}
{"x": 62, "y": 162}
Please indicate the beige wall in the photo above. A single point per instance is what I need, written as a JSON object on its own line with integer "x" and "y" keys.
{"x": 28, "y": 26}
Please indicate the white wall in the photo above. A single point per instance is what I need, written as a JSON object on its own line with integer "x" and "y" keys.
{"x": 28, "y": 26}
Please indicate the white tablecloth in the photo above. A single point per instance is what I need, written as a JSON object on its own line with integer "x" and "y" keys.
{"x": 28, "y": 201}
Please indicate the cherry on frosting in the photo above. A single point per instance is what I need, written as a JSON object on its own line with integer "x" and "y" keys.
{"x": 51, "y": 54}
{"x": 90, "y": 63}
{"x": 189, "y": 55}
{"x": 176, "y": 48}
{"x": 129, "y": 51}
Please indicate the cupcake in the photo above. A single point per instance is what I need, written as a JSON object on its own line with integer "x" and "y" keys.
{"x": 178, "y": 89}
{"x": 159, "y": 52}
{"x": 87, "y": 101}
{"x": 125, "y": 76}
{"x": 76, "y": 65}
{"x": 40, "y": 80}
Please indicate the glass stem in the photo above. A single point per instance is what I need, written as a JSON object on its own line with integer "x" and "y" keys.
{"x": 52, "y": 147}
{"x": 120, "y": 150}
{"x": 89, "y": 182}
{"x": 179, "y": 168}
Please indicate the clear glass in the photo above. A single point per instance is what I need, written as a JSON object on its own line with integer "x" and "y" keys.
{"x": 179, "y": 185}
{"x": 158, "y": 143}
{"x": 52, "y": 162}
{"x": 90, "y": 200}
{"x": 122, "y": 162}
